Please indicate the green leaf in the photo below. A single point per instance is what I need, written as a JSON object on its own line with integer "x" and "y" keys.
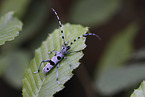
{"x": 115, "y": 80}
{"x": 140, "y": 92}
{"x": 12, "y": 67}
{"x": 119, "y": 49}
{"x": 41, "y": 85}
{"x": 117, "y": 53}
{"x": 18, "y": 6}
{"x": 9, "y": 27}
{"x": 94, "y": 12}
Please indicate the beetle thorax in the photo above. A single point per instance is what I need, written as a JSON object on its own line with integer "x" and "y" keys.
{"x": 65, "y": 49}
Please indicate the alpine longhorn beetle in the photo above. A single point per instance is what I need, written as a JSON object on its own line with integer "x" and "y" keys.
{"x": 61, "y": 54}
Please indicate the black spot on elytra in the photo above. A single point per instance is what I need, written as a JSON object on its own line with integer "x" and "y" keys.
{"x": 58, "y": 57}
{"x": 51, "y": 62}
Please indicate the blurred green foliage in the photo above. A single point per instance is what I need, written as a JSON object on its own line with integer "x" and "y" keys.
{"x": 119, "y": 49}
{"x": 94, "y": 12}
{"x": 18, "y": 6}
{"x": 112, "y": 74}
